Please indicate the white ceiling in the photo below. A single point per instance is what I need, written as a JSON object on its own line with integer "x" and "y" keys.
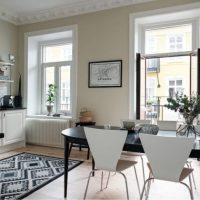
{"x": 29, "y": 11}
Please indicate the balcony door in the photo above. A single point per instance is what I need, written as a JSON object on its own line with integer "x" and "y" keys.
{"x": 161, "y": 76}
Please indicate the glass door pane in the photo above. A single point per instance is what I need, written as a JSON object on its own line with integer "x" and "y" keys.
{"x": 65, "y": 96}
{"x": 49, "y": 79}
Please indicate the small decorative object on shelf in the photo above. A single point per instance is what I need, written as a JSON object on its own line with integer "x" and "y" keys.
{"x": 189, "y": 107}
{"x": 4, "y": 70}
{"x": 85, "y": 115}
{"x": 51, "y": 97}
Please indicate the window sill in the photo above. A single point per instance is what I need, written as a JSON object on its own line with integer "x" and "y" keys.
{"x": 48, "y": 117}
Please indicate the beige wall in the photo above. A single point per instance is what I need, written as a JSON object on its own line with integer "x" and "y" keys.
{"x": 102, "y": 35}
{"x": 8, "y": 44}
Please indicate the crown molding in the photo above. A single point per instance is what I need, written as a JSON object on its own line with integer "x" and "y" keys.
{"x": 72, "y": 9}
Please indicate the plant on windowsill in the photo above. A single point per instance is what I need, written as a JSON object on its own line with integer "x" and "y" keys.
{"x": 51, "y": 96}
{"x": 189, "y": 107}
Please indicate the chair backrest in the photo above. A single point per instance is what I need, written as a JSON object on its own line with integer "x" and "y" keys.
{"x": 127, "y": 124}
{"x": 166, "y": 155}
{"x": 106, "y": 146}
{"x": 142, "y": 121}
{"x": 167, "y": 125}
{"x": 149, "y": 128}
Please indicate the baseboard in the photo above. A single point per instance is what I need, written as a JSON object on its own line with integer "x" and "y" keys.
{"x": 13, "y": 146}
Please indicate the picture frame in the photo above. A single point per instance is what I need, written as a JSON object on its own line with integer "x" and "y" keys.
{"x": 105, "y": 74}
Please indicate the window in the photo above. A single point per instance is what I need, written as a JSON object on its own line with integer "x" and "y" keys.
{"x": 153, "y": 65}
{"x": 151, "y": 44}
{"x": 56, "y": 67}
{"x": 151, "y": 85}
{"x": 175, "y": 87}
{"x": 180, "y": 40}
{"x": 166, "y": 49}
{"x": 51, "y": 58}
{"x": 175, "y": 43}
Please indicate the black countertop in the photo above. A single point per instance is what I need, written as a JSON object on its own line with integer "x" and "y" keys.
{"x": 10, "y": 109}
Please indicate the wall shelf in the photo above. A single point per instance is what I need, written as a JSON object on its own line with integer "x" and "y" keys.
{"x": 4, "y": 63}
{"x": 6, "y": 81}
{"x": 4, "y": 71}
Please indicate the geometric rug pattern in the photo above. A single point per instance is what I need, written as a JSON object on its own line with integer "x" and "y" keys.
{"x": 24, "y": 173}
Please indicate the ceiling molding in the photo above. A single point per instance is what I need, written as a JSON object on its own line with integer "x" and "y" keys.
{"x": 72, "y": 9}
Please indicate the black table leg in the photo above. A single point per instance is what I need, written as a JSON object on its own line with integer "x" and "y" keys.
{"x": 88, "y": 153}
{"x": 93, "y": 166}
{"x": 66, "y": 157}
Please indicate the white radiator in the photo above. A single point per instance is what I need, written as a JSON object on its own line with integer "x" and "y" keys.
{"x": 46, "y": 132}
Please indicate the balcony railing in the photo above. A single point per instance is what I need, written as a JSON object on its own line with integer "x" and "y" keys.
{"x": 155, "y": 109}
{"x": 152, "y": 69}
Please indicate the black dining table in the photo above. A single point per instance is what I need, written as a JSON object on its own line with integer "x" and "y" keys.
{"x": 132, "y": 144}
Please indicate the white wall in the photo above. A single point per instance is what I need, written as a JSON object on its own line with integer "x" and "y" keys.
{"x": 102, "y": 35}
{"x": 8, "y": 44}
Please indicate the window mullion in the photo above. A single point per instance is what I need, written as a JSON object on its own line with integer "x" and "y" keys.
{"x": 57, "y": 83}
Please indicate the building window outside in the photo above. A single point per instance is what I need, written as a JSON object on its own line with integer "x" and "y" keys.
{"x": 165, "y": 41}
{"x": 175, "y": 87}
{"x": 175, "y": 43}
{"x": 153, "y": 65}
{"x": 151, "y": 44}
{"x": 56, "y": 66}
{"x": 151, "y": 88}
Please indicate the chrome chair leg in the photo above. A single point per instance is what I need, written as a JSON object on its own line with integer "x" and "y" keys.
{"x": 101, "y": 180}
{"x": 142, "y": 160}
{"x": 127, "y": 193}
{"x": 190, "y": 164}
{"x": 137, "y": 180}
{"x": 86, "y": 189}
{"x": 141, "y": 196}
{"x": 191, "y": 193}
{"x": 191, "y": 189}
{"x": 108, "y": 180}
{"x": 149, "y": 185}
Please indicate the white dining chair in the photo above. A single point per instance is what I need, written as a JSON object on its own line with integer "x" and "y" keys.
{"x": 106, "y": 147}
{"x": 172, "y": 126}
{"x": 138, "y": 125}
{"x": 167, "y": 157}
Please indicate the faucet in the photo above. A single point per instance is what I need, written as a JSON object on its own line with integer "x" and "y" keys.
{"x": 1, "y": 101}
{"x": 11, "y": 101}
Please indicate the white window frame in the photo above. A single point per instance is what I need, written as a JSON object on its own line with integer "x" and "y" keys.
{"x": 137, "y": 21}
{"x": 63, "y": 32}
{"x": 57, "y": 66}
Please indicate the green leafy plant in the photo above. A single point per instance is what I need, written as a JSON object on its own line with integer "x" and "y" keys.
{"x": 189, "y": 107}
{"x": 51, "y": 94}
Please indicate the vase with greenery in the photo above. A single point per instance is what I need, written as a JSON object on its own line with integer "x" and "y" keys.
{"x": 51, "y": 97}
{"x": 189, "y": 107}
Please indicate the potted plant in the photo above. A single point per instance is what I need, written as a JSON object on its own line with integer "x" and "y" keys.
{"x": 189, "y": 107}
{"x": 51, "y": 96}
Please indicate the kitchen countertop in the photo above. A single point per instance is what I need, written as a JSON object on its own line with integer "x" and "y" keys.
{"x": 10, "y": 109}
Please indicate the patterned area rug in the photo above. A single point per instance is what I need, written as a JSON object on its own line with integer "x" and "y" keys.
{"x": 24, "y": 173}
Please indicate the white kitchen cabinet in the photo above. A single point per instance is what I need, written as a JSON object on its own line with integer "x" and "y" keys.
{"x": 13, "y": 126}
{"x": 1, "y": 131}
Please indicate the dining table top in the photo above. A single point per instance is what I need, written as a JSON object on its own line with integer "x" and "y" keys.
{"x": 132, "y": 143}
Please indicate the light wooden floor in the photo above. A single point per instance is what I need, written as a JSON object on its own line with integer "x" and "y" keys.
{"x": 160, "y": 190}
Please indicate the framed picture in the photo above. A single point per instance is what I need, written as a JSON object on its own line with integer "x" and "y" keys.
{"x": 105, "y": 74}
